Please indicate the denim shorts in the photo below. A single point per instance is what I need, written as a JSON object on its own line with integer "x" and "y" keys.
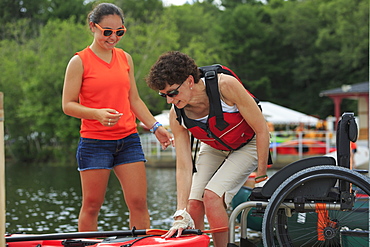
{"x": 106, "y": 154}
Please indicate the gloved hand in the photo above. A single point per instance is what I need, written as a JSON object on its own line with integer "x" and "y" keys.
{"x": 183, "y": 222}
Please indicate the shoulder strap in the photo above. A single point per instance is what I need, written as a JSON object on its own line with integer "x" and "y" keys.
{"x": 192, "y": 139}
{"x": 211, "y": 78}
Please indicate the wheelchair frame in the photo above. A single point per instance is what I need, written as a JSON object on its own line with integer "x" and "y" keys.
{"x": 319, "y": 186}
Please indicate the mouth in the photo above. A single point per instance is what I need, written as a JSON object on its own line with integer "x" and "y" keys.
{"x": 178, "y": 103}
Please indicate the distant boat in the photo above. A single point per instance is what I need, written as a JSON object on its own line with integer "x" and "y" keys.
{"x": 304, "y": 147}
{"x": 289, "y": 151}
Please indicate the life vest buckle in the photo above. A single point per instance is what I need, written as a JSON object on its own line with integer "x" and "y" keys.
{"x": 210, "y": 75}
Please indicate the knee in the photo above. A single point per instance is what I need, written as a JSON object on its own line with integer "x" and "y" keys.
{"x": 91, "y": 206}
{"x": 137, "y": 203}
{"x": 195, "y": 205}
{"x": 210, "y": 196}
{"x": 211, "y": 200}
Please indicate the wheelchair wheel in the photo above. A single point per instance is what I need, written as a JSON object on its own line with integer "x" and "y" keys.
{"x": 295, "y": 216}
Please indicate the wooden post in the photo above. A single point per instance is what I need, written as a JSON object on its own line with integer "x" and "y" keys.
{"x": 2, "y": 174}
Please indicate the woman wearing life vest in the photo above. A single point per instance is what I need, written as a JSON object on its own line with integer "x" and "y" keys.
{"x": 222, "y": 168}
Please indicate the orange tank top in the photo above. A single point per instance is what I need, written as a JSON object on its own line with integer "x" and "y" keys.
{"x": 106, "y": 85}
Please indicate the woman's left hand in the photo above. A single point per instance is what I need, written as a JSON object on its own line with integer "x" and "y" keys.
{"x": 164, "y": 137}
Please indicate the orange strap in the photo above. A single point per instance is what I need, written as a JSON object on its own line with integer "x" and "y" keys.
{"x": 220, "y": 229}
{"x": 322, "y": 220}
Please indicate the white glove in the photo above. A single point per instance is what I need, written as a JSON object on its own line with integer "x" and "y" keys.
{"x": 185, "y": 222}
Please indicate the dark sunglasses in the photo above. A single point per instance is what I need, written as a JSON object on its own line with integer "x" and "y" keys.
{"x": 109, "y": 32}
{"x": 171, "y": 93}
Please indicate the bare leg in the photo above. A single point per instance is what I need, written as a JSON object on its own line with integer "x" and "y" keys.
{"x": 196, "y": 210}
{"x": 217, "y": 216}
{"x": 134, "y": 185}
{"x": 94, "y": 184}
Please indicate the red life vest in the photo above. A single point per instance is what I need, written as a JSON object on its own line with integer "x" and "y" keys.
{"x": 223, "y": 130}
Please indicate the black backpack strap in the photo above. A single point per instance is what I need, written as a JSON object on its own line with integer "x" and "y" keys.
{"x": 178, "y": 115}
{"x": 192, "y": 139}
{"x": 211, "y": 78}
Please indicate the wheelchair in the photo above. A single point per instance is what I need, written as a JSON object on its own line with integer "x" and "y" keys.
{"x": 316, "y": 201}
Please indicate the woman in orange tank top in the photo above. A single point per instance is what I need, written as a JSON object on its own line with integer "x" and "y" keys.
{"x": 100, "y": 89}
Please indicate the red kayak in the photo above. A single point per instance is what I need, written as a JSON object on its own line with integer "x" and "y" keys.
{"x": 153, "y": 241}
{"x": 122, "y": 239}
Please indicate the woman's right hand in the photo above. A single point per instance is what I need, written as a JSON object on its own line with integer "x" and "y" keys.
{"x": 108, "y": 117}
{"x": 182, "y": 221}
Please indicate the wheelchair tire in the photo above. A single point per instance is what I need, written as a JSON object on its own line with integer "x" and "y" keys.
{"x": 291, "y": 222}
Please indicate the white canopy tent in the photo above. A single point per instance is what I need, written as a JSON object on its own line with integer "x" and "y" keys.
{"x": 277, "y": 114}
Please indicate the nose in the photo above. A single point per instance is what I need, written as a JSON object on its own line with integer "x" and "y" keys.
{"x": 169, "y": 99}
{"x": 114, "y": 36}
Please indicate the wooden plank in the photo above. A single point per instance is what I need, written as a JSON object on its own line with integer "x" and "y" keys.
{"x": 2, "y": 173}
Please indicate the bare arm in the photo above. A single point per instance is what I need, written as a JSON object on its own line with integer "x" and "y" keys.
{"x": 141, "y": 110}
{"x": 233, "y": 92}
{"x": 184, "y": 163}
{"x": 184, "y": 173}
{"x": 70, "y": 98}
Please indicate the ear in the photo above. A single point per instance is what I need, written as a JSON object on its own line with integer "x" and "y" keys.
{"x": 91, "y": 26}
{"x": 190, "y": 81}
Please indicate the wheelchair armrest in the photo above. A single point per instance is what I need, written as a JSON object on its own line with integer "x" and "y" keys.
{"x": 256, "y": 195}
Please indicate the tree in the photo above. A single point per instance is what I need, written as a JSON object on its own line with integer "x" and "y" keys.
{"x": 298, "y": 46}
{"x": 247, "y": 41}
{"x": 35, "y": 72}
{"x": 38, "y": 12}
{"x": 284, "y": 51}
{"x": 143, "y": 11}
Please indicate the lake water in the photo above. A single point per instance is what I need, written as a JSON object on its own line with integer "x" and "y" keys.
{"x": 47, "y": 199}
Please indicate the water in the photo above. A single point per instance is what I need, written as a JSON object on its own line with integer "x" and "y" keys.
{"x": 47, "y": 199}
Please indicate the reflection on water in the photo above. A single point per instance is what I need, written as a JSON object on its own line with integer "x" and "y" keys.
{"x": 47, "y": 199}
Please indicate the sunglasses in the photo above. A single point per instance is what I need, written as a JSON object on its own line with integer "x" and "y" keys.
{"x": 171, "y": 93}
{"x": 109, "y": 32}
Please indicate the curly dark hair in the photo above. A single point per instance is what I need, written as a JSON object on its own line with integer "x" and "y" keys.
{"x": 172, "y": 67}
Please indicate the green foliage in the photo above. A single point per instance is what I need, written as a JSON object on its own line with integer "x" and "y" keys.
{"x": 299, "y": 46}
{"x": 142, "y": 11}
{"x": 34, "y": 81}
{"x": 198, "y": 31}
{"x": 286, "y": 52}
{"x": 247, "y": 40}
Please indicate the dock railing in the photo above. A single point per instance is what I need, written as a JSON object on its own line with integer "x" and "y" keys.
{"x": 154, "y": 153}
